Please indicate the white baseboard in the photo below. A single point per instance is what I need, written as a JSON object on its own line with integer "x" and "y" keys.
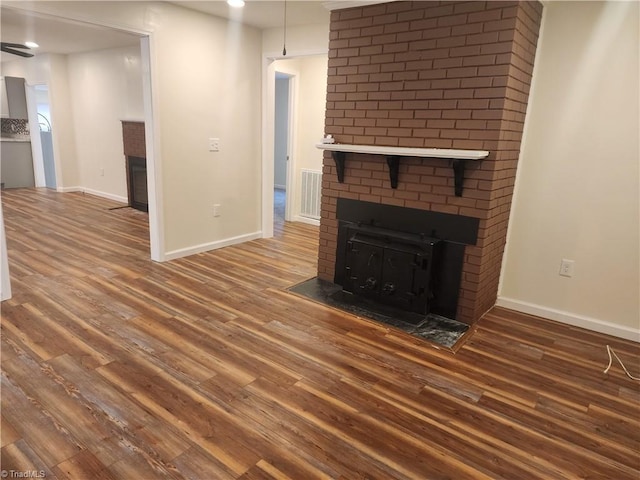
{"x": 109, "y": 196}
{"x": 310, "y": 221}
{"x": 569, "y": 318}
{"x": 97, "y": 193}
{"x": 205, "y": 247}
{"x": 69, "y": 189}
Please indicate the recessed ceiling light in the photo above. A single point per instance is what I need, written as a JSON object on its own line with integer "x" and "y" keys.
{"x": 235, "y": 3}
{"x": 31, "y": 44}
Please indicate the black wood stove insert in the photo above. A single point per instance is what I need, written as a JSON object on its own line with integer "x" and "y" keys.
{"x": 393, "y": 268}
{"x": 403, "y": 258}
{"x": 137, "y": 183}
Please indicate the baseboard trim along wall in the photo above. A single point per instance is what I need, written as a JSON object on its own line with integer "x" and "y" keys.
{"x": 570, "y": 318}
{"x": 310, "y": 221}
{"x": 69, "y": 189}
{"x": 205, "y": 247}
{"x": 109, "y": 196}
{"x": 97, "y": 193}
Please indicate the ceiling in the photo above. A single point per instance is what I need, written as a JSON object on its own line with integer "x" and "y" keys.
{"x": 265, "y": 13}
{"x": 55, "y": 35}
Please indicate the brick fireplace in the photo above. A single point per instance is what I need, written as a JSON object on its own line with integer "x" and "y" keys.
{"x": 134, "y": 148}
{"x": 450, "y": 75}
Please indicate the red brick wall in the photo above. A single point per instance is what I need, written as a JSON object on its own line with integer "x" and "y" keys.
{"x": 133, "y": 139}
{"x": 433, "y": 75}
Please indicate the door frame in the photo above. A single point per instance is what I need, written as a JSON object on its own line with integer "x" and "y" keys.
{"x": 290, "y": 123}
{"x": 34, "y": 128}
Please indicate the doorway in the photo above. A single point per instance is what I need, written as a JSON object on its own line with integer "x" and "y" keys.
{"x": 281, "y": 147}
{"x": 306, "y": 76}
{"x": 46, "y": 138}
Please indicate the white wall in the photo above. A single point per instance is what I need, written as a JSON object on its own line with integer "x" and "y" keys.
{"x": 301, "y": 40}
{"x": 106, "y": 88}
{"x": 577, "y": 189}
{"x": 208, "y": 83}
{"x": 313, "y": 94}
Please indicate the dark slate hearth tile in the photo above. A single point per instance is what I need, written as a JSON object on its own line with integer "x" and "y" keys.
{"x": 434, "y": 328}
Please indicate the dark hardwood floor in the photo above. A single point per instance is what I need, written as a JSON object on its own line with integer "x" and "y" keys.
{"x": 115, "y": 367}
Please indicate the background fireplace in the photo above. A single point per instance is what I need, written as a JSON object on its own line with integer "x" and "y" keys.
{"x": 133, "y": 139}
{"x": 137, "y": 183}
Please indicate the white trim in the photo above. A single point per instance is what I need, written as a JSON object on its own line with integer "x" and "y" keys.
{"x": 5, "y": 278}
{"x": 205, "y": 247}
{"x": 280, "y": 187}
{"x": 310, "y": 221}
{"x": 152, "y": 148}
{"x": 69, "y": 189}
{"x": 109, "y": 196}
{"x": 43, "y": 11}
{"x": 268, "y": 107}
{"x": 36, "y": 141}
{"x": 405, "y": 151}
{"x": 569, "y": 318}
{"x": 96, "y": 193}
{"x": 292, "y": 123}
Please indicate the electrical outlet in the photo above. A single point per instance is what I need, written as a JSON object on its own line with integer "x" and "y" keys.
{"x": 566, "y": 268}
{"x": 102, "y": 172}
{"x": 216, "y": 210}
{"x": 214, "y": 144}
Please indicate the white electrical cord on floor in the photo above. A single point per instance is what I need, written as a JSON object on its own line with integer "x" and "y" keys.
{"x": 611, "y": 352}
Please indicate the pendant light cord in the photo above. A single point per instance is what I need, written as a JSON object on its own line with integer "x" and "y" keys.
{"x": 284, "y": 44}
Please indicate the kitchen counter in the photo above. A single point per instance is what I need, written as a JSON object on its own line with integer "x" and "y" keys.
{"x": 16, "y": 163}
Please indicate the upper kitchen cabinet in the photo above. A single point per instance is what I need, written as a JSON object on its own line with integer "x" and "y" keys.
{"x": 16, "y": 98}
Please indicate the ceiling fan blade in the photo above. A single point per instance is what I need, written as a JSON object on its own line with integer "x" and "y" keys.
{"x": 9, "y": 48}
{"x": 14, "y": 45}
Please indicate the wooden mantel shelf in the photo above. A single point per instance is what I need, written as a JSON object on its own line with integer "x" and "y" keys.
{"x": 405, "y": 151}
{"x": 393, "y": 154}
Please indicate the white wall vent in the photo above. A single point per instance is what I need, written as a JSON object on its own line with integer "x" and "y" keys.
{"x": 311, "y": 189}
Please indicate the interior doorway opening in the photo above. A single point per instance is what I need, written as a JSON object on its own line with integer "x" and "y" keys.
{"x": 46, "y": 134}
{"x": 307, "y": 88}
{"x": 281, "y": 144}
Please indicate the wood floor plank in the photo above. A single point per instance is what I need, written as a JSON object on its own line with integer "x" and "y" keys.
{"x": 36, "y": 426}
{"x": 20, "y": 459}
{"x": 83, "y": 465}
{"x": 205, "y": 367}
{"x": 8, "y": 433}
